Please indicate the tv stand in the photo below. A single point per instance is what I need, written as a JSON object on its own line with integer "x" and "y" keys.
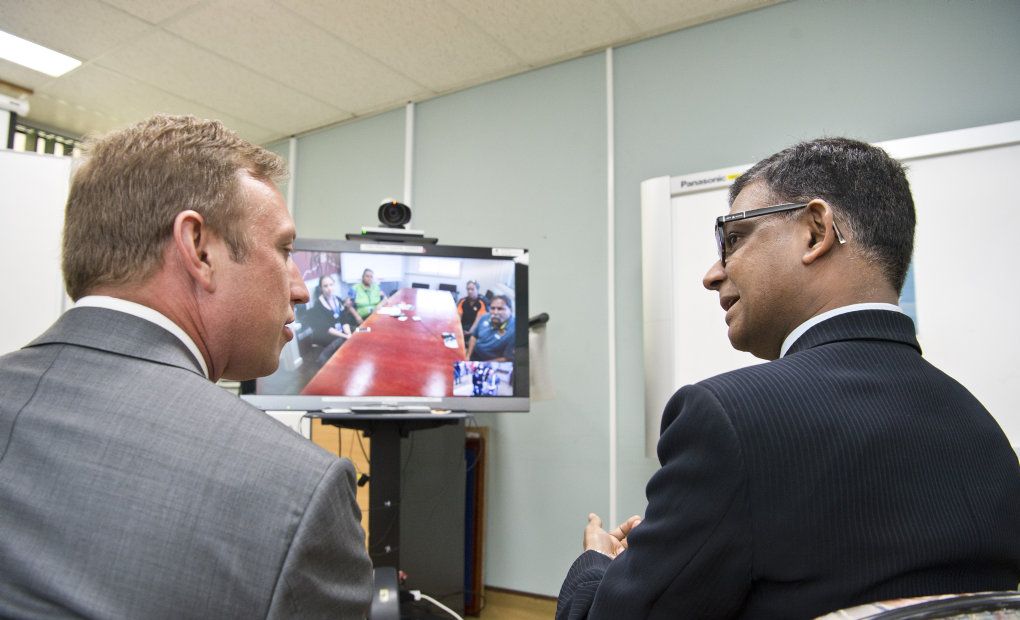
{"x": 386, "y": 431}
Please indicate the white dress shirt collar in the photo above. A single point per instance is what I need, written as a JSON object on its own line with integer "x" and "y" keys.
{"x": 146, "y": 313}
{"x": 815, "y": 320}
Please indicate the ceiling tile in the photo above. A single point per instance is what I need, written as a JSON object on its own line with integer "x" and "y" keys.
{"x": 82, "y": 28}
{"x": 274, "y": 41}
{"x": 273, "y": 68}
{"x": 194, "y": 74}
{"x": 293, "y": 124}
{"x": 426, "y": 40}
{"x": 539, "y": 30}
{"x": 659, "y": 16}
{"x": 153, "y": 11}
{"x": 127, "y": 100}
{"x": 105, "y": 93}
{"x": 83, "y": 121}
{"x": 74, "y": 119}
{"x": 22, "y": 76}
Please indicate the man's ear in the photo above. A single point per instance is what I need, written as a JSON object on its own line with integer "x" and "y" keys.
{"x": 191, "y": 243}
{"x": 817, "y": 217}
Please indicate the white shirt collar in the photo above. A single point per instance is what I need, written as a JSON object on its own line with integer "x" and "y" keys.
{"x": 146, "y": 313}
{"x": 815, "y": 320}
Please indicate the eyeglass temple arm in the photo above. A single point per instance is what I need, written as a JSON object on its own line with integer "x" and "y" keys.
{"x": 839, "y": 235}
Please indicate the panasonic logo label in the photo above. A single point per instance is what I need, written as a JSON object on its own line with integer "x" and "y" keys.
{"x": 700, "y": 182}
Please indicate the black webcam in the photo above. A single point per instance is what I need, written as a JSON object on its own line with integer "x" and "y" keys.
{"x": 394, "y": 214}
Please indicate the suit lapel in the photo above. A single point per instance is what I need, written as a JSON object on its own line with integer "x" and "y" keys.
{"x": 860, "y": 325}
{"x": 120, "y": 333}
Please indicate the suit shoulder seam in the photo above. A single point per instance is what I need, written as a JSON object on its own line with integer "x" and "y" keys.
{"x": 191, "y": 369}
{"x": 35, "y": 390}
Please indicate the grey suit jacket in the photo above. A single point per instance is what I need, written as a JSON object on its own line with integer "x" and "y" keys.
{"x": 132, "y": 487}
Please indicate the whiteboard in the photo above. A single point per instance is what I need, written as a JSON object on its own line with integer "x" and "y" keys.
{"x": 33, "y": 191}
{"x": 965, "y": 185}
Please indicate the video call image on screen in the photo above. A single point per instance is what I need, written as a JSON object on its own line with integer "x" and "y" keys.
{"x": 400, "y": 325}
{"x": 483, "y": 379}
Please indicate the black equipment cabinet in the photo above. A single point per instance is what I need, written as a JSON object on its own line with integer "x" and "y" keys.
{"x": 416, "y": 497}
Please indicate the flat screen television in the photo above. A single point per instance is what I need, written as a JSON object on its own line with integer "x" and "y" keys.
{"x": 404, "y": 326}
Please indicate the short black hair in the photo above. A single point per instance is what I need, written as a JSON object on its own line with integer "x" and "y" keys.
{"x": 867, "y": 189}
{"x": 506, "y": 300}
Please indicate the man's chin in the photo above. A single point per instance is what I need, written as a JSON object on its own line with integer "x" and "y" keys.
{"x": 251, "y": 373}
{"x": 740, "y": 342}
{"x": 736, "y": 338}
{"x": 755, "y": 349}
{"x": 269, "y": 369}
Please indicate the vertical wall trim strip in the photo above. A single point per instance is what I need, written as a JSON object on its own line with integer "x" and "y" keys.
{"x": 292, "y": 164}
{"x": 611, "y": 284}
{"x": 409, "y": 154}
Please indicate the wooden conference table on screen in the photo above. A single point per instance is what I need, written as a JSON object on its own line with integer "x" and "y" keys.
{"x": 399, "y": 355}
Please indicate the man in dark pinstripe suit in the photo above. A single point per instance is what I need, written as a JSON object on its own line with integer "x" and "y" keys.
{"x": 848, "y": 469}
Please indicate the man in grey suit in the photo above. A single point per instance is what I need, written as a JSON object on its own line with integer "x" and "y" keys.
{"x": 846, "y": 470}
{"x": 131, "y": 486}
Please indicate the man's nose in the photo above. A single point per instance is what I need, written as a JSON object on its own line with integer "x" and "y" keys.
{"x": 298, "y": 290}
{"x": 714, "y": 277}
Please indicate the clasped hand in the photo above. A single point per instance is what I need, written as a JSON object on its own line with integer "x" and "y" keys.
{"x": 610, "y": 543}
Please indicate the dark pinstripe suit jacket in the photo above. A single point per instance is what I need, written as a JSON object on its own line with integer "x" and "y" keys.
{"x": 849, "y": 471}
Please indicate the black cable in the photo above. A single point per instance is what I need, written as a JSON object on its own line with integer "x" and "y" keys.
{"x": 363, "y": 452}
{"x": 357, "y": 470}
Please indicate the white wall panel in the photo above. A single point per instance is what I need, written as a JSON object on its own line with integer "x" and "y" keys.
{"x": 33, "y": 191}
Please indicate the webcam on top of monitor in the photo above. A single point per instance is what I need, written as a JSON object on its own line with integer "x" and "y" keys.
{"x": 393, "y": 219}
{"x": 393, "y": 214}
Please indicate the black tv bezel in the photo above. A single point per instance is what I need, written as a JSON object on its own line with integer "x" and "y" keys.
{"x": 519, "y": 402}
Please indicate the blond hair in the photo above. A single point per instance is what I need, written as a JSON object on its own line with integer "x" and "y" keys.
{"x": 133, "y": 182}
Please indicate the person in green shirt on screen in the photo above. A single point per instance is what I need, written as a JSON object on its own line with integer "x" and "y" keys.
{"x": 367, "y": 294}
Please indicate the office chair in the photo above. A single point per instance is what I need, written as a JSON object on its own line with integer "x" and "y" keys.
{"x": 960, "y": 606}
{"x": 419, "y": 285}
{"x": 452, "y": 288}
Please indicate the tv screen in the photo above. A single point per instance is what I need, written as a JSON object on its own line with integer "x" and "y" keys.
{"x": 405, "y": 326}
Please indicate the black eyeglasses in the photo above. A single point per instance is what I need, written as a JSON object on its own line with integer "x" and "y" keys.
{"x": 720, "y": 234}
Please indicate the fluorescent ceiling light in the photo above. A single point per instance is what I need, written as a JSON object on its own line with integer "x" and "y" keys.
{"x": 34, "y": 56}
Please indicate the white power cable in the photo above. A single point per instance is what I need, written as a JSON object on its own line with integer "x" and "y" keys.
{"x": 417, "y": 595}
